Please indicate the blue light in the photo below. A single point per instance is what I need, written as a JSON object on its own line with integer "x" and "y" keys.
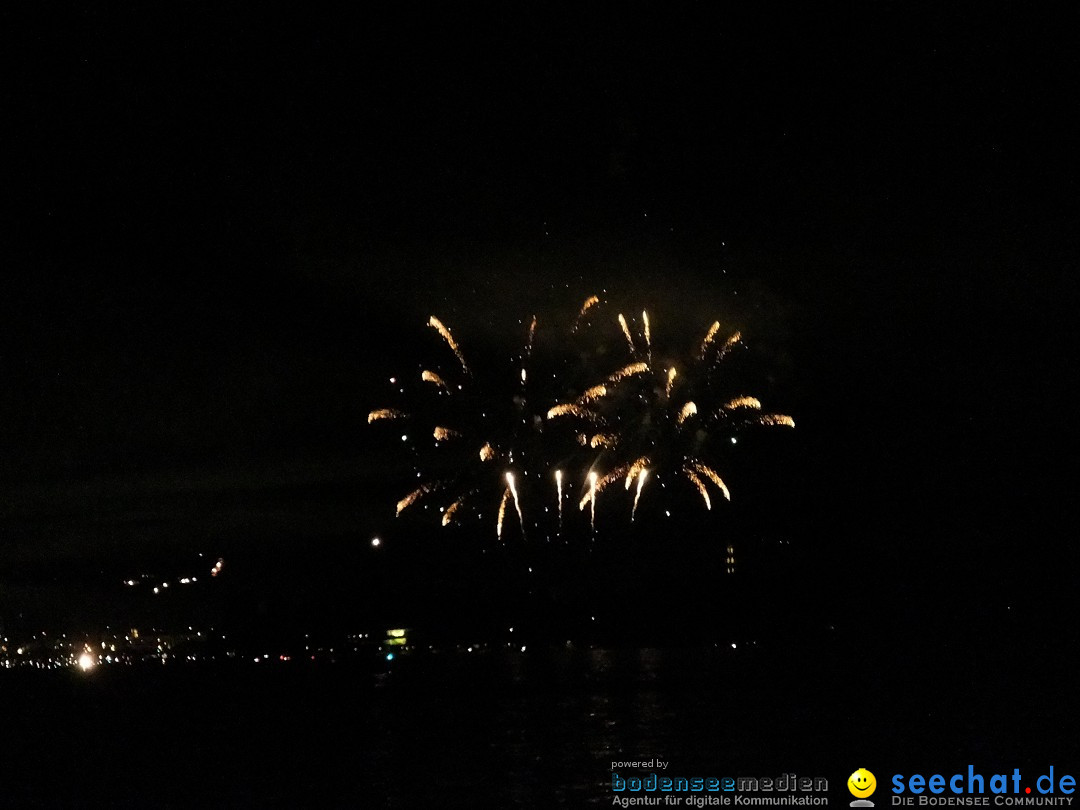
{"x": 389, "y": 656}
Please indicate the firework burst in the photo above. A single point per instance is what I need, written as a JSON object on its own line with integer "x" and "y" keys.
{"x": 662, "y": 423}
{"x": 486, "y": 442}
{"x": 482, "y": 442}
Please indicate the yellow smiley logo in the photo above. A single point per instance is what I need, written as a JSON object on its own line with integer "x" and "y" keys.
{"x": 861, "y": 783}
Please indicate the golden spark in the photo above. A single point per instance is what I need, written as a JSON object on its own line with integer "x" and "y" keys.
{"x": 776, "y": 419}
{"x": 671, "y": 374}
{"x": 443, "y": 433}
{"x": 626, "y": 332}
{"x": 743, "y": 402}
{"x": 573, "y": 409}
{"x": 591, "y": 394}
{"x": 696, "y": 479}
{"x": 502, "y": 512}
{"x": 602, "y": 440}
{"x": 637, "y": 496}
{"x": 438, "y": 326}
{"x": 558, "y": 486}
{"x": 517, "y": 503}
{"x": 487, "y": 452}
{"x": 731, "y": 341}
{"x": 688, "y": 410}
{"x": 412, "y": 497}
{"x": 432, "y": 377}
{"x": 590, "y": 302}
{"x": 635, "y": 468}
{"x": 709, "y": 337}
{"x": 628, "y": 371}
{"x": 598, "y": 484}
{"x": 592, "y": 491}
{"x": 384, "y": 413}
{"x": 448, "y": 515}
{"x": 712, "y": 475}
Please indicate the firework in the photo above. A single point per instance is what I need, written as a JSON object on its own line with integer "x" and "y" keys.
{"x": 471, "y": 429}
{"x": 432, "y": 377}
{"x": 712, "y": 475}
{"x": 687, "y": 410}
{"x": 598, "y": 484}
{"x": 631, "y": 422}
{"x": 592, "y": 499}
{"x": 776, "y": 419}
{"x": 627, "y": 371}
{"x": 448, "y": 515}
{"x": 573, "y": 409}
{"x": 696, "y": 479}
{"x": 646, "y": 426}
{"x": 502, "y": 513}
{"x": 384, "y": 413}
{"x": 626, "y": 333}
{"x": 558, "y": 487}
{"x": 590, "y": 302}
{"x": 637, "y": 495}
{"x": 602, "y": 440}
{"x": 438, "y": 326}
{"x": 635, "y": 468}
{"x": 517, "y": 503}
{"x": 728, "y": 344}
{"x": 743, "y": 402}
{"x": 709, "y": 335}
{"x": 590, "y": 394}
{"x": 413, "y": 497}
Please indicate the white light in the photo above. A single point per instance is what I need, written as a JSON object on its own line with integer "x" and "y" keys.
{"x": 404, "y": 438}
{"x": 733, "y": 645}
{"x": 376, "y": 542}
{"x": 523, "y": 649}
{"x": 86, "y": 662}
{"x": 733, "y": 440}
{"x": 511, "y": 629}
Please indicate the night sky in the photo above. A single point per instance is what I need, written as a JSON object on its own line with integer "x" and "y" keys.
{"x": 226, "y": 231}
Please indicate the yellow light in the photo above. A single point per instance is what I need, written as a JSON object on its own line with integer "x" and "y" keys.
{"x": 438, "y": 326}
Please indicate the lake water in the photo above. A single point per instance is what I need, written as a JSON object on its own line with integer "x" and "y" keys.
{"x": 502, "y": 728}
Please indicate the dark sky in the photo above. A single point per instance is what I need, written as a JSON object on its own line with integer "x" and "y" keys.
{"x": 224, "y": 228}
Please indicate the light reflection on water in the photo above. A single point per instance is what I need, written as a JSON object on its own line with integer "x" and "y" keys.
{"x": 549, "y": 725}
{"x": 500, "y": 728}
